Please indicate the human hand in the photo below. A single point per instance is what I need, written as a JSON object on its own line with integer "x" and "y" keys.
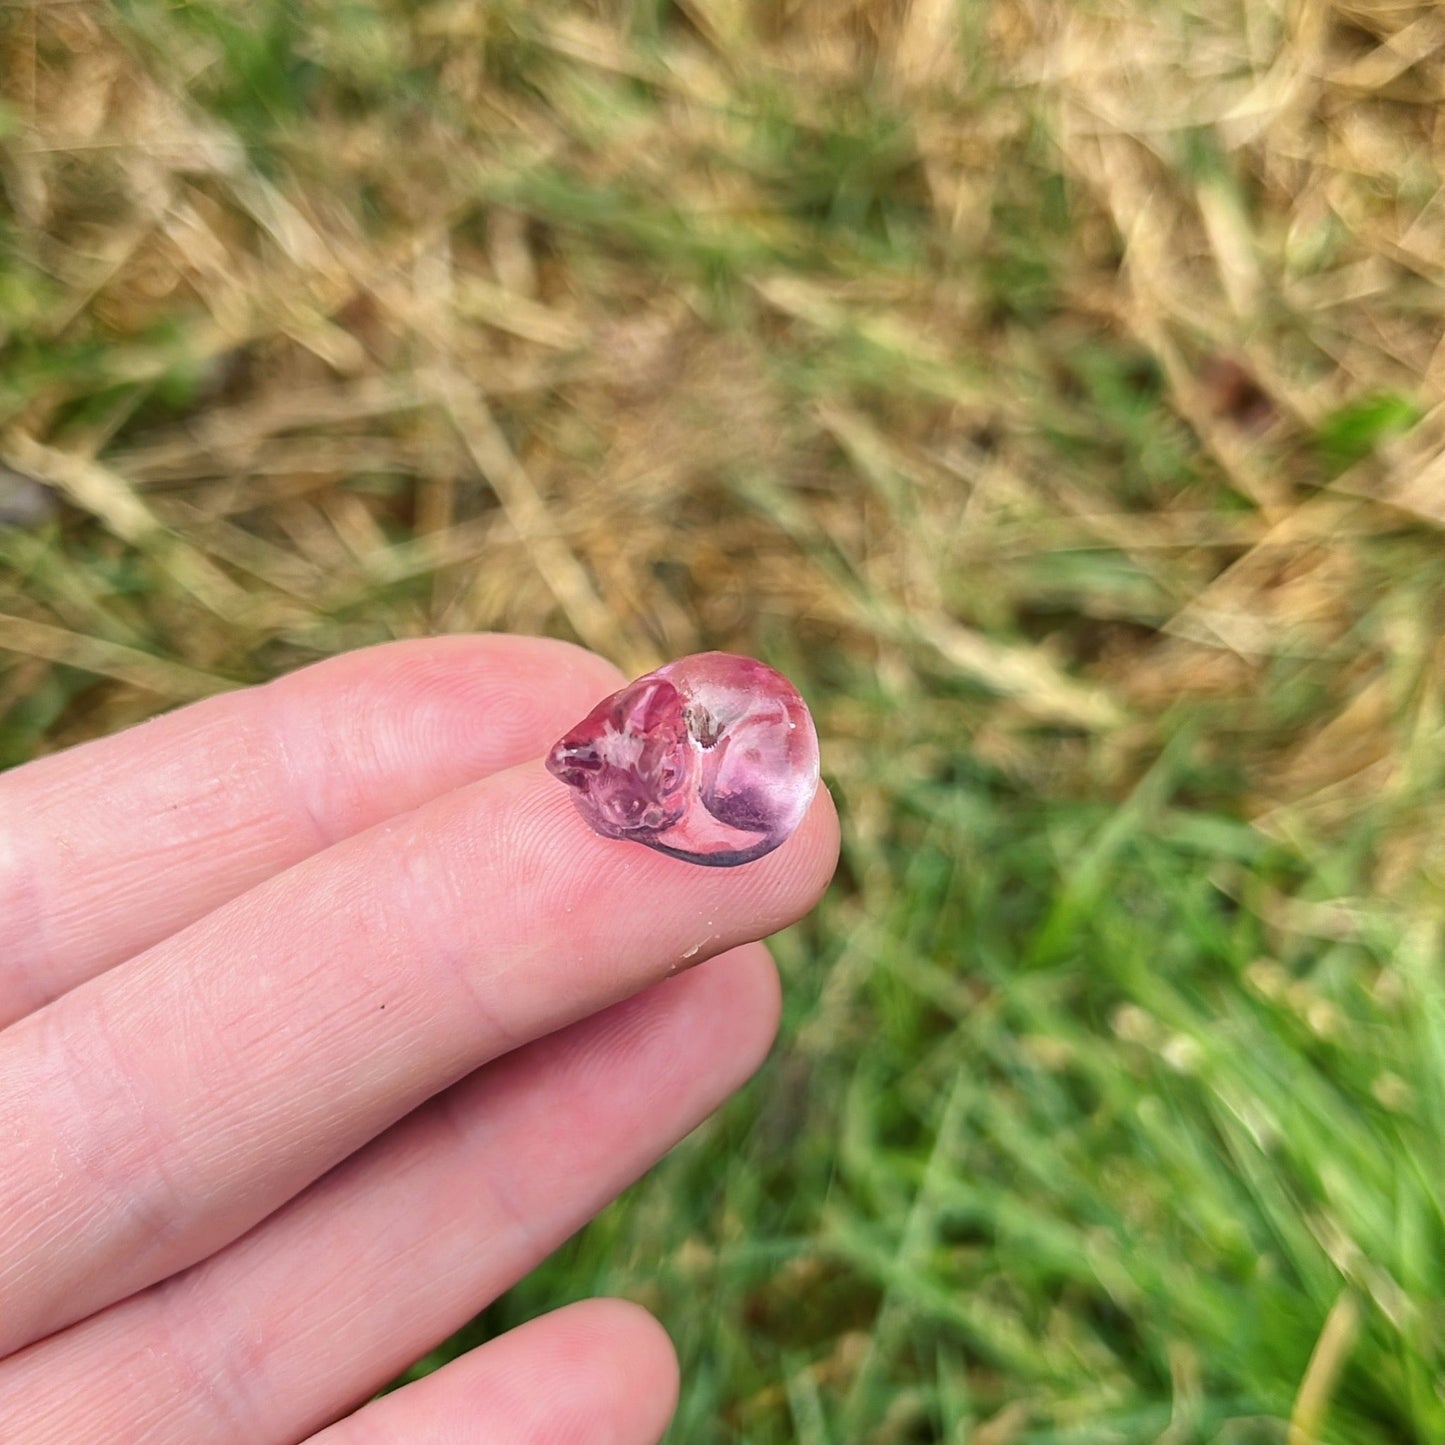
{"x": 311, "y": 1044}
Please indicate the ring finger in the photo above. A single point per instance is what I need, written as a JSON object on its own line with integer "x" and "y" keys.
{"x": 390, "y": 1252}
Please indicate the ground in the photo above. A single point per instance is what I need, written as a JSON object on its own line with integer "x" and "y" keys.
{"x": 1054, "y": 392}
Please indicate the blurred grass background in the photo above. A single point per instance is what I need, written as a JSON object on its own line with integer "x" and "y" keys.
{"x": 1055, "y": 392}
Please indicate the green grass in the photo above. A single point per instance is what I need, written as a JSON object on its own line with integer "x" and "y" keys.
{"x": 1048, "y": 390}
{"x": 1055, "y": 1134}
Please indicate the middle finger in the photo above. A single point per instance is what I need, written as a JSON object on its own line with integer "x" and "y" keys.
{"x": 162, "y": 1109}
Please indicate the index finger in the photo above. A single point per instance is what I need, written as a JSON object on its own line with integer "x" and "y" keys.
{"x": 112, "y": 846}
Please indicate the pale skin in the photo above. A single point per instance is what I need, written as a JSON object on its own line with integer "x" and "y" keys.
{"x": 323, "y": 1018}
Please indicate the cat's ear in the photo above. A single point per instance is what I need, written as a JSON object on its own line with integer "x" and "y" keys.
{"x": 573, "y": 761}
{"x": 644, "y": 709}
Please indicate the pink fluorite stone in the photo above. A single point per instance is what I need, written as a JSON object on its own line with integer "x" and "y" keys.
{"x": 712, "y": 758}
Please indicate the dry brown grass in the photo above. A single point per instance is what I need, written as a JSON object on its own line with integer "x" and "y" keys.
{"x": 456, "y": 365}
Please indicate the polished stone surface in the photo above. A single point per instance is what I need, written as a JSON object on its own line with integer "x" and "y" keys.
{"x": 712, "y": 758}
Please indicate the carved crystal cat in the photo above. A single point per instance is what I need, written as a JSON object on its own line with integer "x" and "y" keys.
{"x": 712, "y": 759}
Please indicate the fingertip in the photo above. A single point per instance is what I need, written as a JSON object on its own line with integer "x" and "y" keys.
{"x": 630, "y": 1357}
{"x": 618, "y": 916}
{"x": 587, "y": 671}
{"x": 460, "y": 706}
{"x": 611, "y": 1372}
{"x": 599, "y": 1372}
{"x": 821, "y": 839}
{"x": 370, "y": 734}
{"x": 787, "y": 884}
{"x": 751, "y": 991}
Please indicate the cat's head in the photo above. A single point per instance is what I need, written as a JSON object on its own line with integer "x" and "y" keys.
{"x": 631, "y": 759}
